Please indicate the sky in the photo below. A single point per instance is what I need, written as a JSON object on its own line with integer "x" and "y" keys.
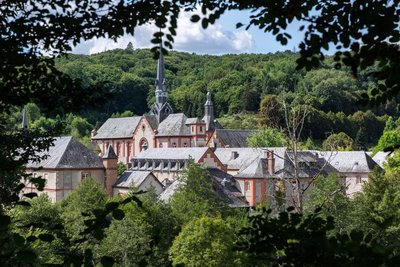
{"x": 217, "y": 39}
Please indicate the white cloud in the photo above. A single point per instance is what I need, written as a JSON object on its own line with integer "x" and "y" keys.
{"x": 191, "y": 37}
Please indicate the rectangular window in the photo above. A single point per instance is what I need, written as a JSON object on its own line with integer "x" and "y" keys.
{"x": 67, "y": 183}
{"x": 85, "y": 175}
{"x": 358, "y": 179}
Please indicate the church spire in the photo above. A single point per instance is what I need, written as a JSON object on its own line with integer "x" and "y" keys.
{"x": 24, "y": 120}
{"x": 161, "y": 108}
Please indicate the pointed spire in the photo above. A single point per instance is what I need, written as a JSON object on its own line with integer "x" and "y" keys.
{"x": 160, "y": 71}
{"x": 24, "y": 120}
{"x": 161, "y": 108}
{"x": 110, "y": 154}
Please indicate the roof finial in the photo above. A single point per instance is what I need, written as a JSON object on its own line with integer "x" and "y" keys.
{"x": 24, "y": 120}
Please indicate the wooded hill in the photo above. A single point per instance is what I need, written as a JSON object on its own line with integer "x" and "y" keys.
{"x": 238, "y": 84}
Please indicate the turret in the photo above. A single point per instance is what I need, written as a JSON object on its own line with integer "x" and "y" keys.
{"x": 209, "y": 113}
{"x": 110, "y": 162}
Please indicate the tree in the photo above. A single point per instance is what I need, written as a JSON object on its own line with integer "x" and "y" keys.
{"x": 143, "y": 236}
{"x": 270, "y": 109}
{"x": 267, "y": 137}
{"x": 86, "y": 198}
{"x": 38, "y": 222}
{"x": 196, "y": 196}
{"x": 389, "y": 141}
{"x": 291, "y": 239}
{"x": 204, "y": 241}
{"x": 129, "y": 47}
{"x": 329, "y": 195}
{"x": 377, "y": 209}
{"x": 340, "y": 141}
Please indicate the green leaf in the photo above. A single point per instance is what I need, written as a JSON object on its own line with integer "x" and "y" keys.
{"x": 195, "y": 18}
{"x": 118, "y": 214}
{"x": 107, "y": 261}
{"x": 23, "y": 203}
{"x": 27, "y": 255}
{"x": 46, "y": 237}
{"x": 111, "y": 206}
{"x": 30, "y": 195}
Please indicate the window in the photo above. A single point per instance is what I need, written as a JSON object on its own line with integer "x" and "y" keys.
{"x": 246, "y": 186}
{"x": 143, "y": 127}
{"x": 185, "y": 144}
{"x": 174, "y": 144}
{"x": 160, "y": 145}
{"x": 67, "y": 180}
{"x": 201, "y": 128}
{"x": 85, "y": 175}
{"x": 358, "y": 179}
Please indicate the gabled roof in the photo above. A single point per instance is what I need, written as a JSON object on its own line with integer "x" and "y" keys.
{"x": 256, "y": 169}
{"x": 350, "y": 161}
{"x": 173, "y": 125}
{"x": 179, "y": 153}
{"x": 152, "y": 120}
{"x": 381, "y": 157}
{"x": 118, "y": 128}
{"x": 233, "y": 138}
{"x": 133, "y": 178}
{"x": 68, "y": 153}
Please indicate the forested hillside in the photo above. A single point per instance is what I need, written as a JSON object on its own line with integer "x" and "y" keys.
{"x": 239, "y": 83}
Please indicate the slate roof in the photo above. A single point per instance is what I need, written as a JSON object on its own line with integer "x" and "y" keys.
{"x": 225, "y": 190}
{"x": 169, "y": 191}
{"x": 223, "y": 184}
{"x": 258, "y": 168}
{"x": 193, "y": 121}
{"x": 152, "y": 120}
{"x": 247, "y": 155}
{"x": 132, "y": 178}
{"x": 172, "y": 153}
{"x": 118, "y": 128}
{"x": 233, "y": 138}
{"x": 173, "y": 125}
{"x": 110, "y": 153}
{"x": 350, "y": 161}
{"x": 381, "y": 157}
{"x": 68, "y": 153}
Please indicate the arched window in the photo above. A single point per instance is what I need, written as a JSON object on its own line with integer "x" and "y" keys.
{"x": 143, "y": 144}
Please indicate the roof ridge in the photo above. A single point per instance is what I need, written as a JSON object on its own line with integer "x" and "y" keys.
{"x": 65, "y": 149}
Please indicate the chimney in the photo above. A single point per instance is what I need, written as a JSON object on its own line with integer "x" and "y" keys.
{"x": 234, "y": 155}
{"x": 271, "y": 161}
{"x": 93, "y": 133}
{"x": 110, "y": 161}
